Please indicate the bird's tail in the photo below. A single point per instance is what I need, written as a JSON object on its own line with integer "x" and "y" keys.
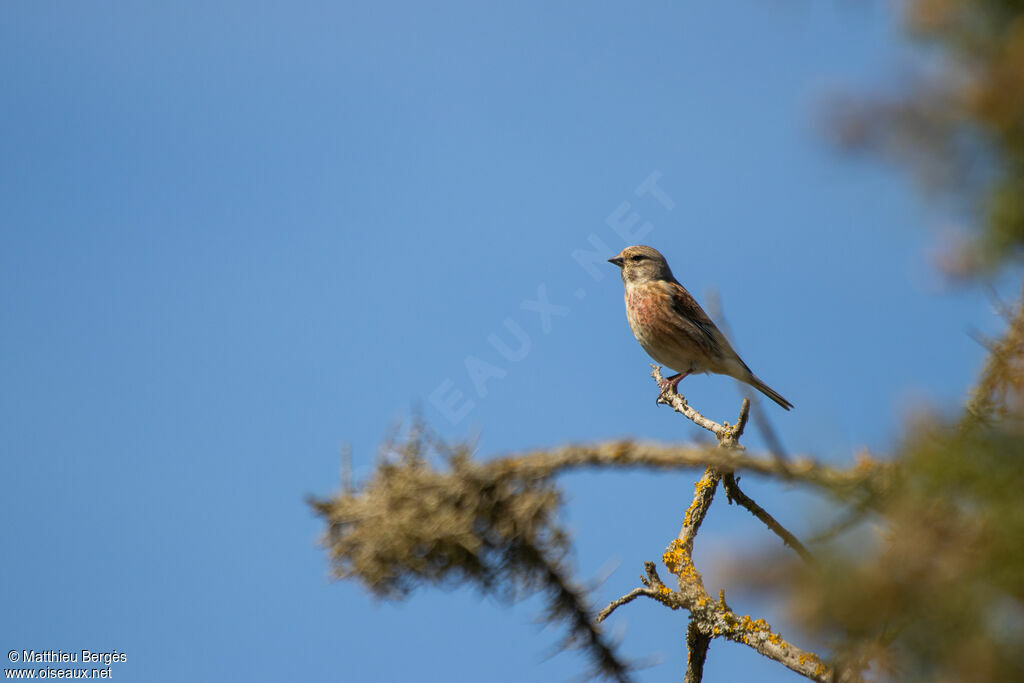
{"x": 768, "y": 391}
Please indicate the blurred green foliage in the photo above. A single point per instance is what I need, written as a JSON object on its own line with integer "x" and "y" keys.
{"x": 939, "y": 595}
{"x": 960, "y": 127}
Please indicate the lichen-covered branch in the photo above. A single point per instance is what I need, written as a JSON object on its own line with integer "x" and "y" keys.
{"x": 697, "y": 644}
{"x": 431, "y": 514}
{"x": 703, "y": 494}
{"x": 717, "y": 619}
{"x": 710, "y": 618}
{"x": 867, "y": 474}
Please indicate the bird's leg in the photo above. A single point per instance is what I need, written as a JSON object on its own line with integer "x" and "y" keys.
{"x": 670, "y": 383}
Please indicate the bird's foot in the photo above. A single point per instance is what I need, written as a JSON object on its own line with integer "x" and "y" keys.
{"x": 670, "y": 385}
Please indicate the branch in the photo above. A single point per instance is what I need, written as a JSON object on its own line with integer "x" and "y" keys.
{"x": 652, "y": 588}
{"x": 733, "y": 492}
{"x": 703, "y": 494}
{"x": 697, "y": 644}
{"x": 678, "y": 403}
{"x": 627, "y": 598}
{"x": 714, "y": 618}
{"x": 729, "y": 456}
{"x": 844, "y": 483}
{"x": 567, "y": 602}
{"x": 717, "y": 619}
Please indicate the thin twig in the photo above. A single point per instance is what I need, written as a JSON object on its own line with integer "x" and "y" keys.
{"x": 678, "y": 403}
{"x": 653, "y": 580}
{"x": 767, "y": 429}
{"x": 625, "y": 599}
{"x": 733, "y": 492}
{"x": 653, "y": 587}
{"x": 346, "y": 468}
{"x": 983, "y": 400}
{"x": 741, "y": 422}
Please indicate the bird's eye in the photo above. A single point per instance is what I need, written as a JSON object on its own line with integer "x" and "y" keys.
{"x": 637, "y": 257}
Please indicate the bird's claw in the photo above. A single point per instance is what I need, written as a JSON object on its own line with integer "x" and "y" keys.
{"x": 668, "y": 387}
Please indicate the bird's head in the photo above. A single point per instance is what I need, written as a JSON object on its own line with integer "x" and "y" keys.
{"x": 642, "y": 264}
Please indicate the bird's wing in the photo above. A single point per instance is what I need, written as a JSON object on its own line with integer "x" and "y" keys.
{"x": 700, "y": 328}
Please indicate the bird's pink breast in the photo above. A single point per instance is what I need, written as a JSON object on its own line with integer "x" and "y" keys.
{"x": 658, "y": 327}
{"x": 647, "y": 305}
{"x": 647, "y": 308}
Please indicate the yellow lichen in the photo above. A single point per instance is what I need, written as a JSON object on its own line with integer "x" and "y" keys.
{"x": 673, "y": 556}
{"x": 806, "y": 658}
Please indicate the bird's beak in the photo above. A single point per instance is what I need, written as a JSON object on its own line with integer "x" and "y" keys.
{"x": 617, "y": 261}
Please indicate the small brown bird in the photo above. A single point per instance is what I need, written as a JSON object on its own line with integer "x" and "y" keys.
{"x": 672, "y": 327}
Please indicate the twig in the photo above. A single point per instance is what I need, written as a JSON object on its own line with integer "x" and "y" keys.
{"x": 653, "y": 579}
{"x": 1002, "y": 309}
{"x": 346, "y": 469}
{"x": 741, "y": 422}
{"x": 653, "y": 587}
{"x": 678, "y": 403}
{"x": 625, "y": 599}
{"x": 733, "y": 492}
{"x": 767, "y": 429}
{"x": 983, "y": 400}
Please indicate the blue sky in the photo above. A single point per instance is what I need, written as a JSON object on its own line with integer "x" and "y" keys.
{"x": 235, "y": 237}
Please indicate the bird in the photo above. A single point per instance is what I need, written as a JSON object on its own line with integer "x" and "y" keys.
{"x": 672, "y": 327}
